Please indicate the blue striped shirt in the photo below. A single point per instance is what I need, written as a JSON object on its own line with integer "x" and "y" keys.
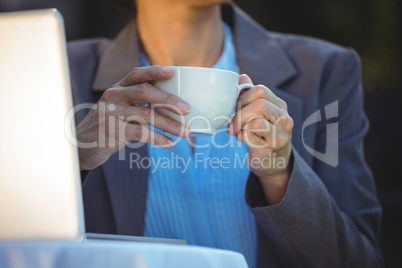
{"x": 199, "y": 195}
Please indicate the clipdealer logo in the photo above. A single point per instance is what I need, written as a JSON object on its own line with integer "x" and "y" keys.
{"x": 331, "y": 155}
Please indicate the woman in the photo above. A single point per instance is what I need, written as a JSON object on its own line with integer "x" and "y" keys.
{"x": 309, "y": 211}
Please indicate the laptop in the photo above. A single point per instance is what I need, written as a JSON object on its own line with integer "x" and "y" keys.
{"x": 40, "y": 185}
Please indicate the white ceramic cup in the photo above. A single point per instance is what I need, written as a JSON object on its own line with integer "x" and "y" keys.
{"x": 211, "y": 94}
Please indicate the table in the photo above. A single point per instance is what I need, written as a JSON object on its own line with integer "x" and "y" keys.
{"x": 113, "y": 254}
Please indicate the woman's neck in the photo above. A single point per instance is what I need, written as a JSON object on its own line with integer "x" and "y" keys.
{"x": 180, "y": 35}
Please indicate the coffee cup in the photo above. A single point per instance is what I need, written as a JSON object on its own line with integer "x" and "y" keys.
{"x": 211, "y": 94}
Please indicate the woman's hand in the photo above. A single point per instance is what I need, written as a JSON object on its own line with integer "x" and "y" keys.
{"x": 262, "y": 122}
{"x": 117, "y": 119}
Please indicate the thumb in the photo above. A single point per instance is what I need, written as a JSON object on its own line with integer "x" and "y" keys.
{"x": 243, "y": 78}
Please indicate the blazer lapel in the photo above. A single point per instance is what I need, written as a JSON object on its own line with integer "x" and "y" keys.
{"x": 118, "y": 58}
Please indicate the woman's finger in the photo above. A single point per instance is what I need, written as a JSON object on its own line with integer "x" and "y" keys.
{"x": 146, "y": 93}
{"x": 142, "y": 133}
{"x": 244, "y": 78}
{"x": 272, "y": 135}
{"x": 259, "y": 108}
{"x": 251, "y": 139}
{"x": 139, "y": 114}
{"x": 260, "y": 92}
{"x": 140, "y": 75}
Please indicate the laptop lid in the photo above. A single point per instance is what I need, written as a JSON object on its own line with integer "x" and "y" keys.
{"x": 40, "y": 188}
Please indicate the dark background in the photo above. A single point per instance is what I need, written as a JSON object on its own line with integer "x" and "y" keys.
{"x": 372, "y": 27}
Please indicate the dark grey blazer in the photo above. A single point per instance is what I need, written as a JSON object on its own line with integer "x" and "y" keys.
{"x": 330, "y": 215}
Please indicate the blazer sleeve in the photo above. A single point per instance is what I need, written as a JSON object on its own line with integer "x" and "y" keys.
{"x": 330, "y": 216}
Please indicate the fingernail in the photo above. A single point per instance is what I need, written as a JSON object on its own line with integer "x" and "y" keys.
{"x": 185, "y": 130}
{"x": 185, "y": 107}
{"x": 233, "y": 130}
{"x": 171, "y": 142}
{"x": 166, "y": 70}
{"x": 243, "y": 78}
{"x": 230, "y": 128}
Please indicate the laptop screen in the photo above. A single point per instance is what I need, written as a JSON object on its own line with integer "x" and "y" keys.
{"x": 40, "y": 189}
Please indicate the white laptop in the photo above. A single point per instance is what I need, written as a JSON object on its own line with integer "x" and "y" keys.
{"x": 40, "y": 195}
{"x": 40, "y": 186}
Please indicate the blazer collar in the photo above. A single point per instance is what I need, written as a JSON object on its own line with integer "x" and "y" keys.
{"x": 118, "y": 58}
{"x": 258, "y": 53}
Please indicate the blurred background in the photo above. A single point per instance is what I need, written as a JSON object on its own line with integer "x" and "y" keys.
{"x": 372, "y": 27}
